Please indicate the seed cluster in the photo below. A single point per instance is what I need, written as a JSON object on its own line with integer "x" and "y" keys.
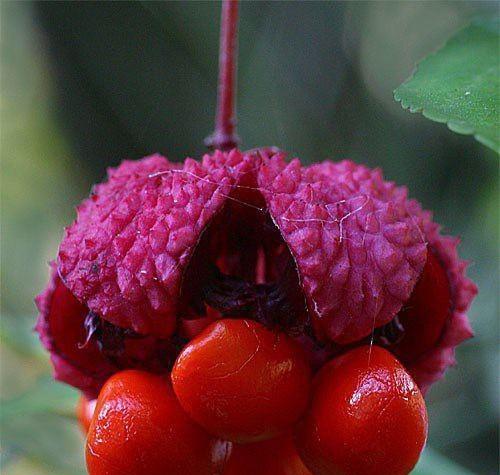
{"x": 223, "y": 310}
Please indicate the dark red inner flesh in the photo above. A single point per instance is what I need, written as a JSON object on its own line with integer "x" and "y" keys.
{"x": 125, "y": 348}
{"x": 69, "y": 334}
{"x": 419, "y": 325}
{"x": 97, "y": 348}
{"x": 243, "y": 268}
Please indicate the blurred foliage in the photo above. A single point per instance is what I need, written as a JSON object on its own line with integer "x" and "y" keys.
{"x": 460, "y": 84}
{"x": 85, "y": 85}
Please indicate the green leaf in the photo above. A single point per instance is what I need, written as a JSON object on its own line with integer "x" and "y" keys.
{"x": 460, "y": 84}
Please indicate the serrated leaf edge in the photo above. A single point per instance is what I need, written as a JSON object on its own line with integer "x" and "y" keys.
{"x": 429, "y": 114}
{"x": 432, "y": 115}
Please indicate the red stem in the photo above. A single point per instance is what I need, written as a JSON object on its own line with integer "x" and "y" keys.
{"x": 224, "y": 136}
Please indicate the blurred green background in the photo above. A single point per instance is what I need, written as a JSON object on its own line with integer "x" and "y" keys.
{"x": 85, "y": 85}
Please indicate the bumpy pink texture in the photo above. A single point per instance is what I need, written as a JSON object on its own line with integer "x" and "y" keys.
{"x": 358, "y": 242}
{"x": 358, "y": 250}
{"x": 126, "y": 252}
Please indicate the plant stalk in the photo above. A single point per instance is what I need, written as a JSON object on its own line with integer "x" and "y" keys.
{"x": 224, "y": 136}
